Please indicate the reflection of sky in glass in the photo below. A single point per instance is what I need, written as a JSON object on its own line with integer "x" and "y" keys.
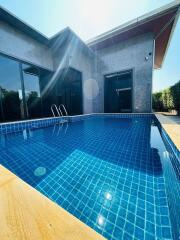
{"x": 12, "y": 95}
{"x": 9, "y": 74}
{"x": 20, "y": 94}
{"x": 31, "y": 83}
{"x": 10, "y": 77}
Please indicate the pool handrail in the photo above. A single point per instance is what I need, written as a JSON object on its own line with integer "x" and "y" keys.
{"x": 54, "y": 115}
{"x": 62, "y": 105}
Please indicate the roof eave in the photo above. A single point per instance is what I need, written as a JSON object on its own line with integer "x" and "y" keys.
{"x": 134, "y": 23}
{"x": 170, "y": 37}
{"x": 22, "y": 26}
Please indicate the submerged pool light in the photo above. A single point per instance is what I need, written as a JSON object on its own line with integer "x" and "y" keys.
{"x": 108, "y": 196}
{"x": 40, "y": 171}
{"x": 100, "y": 220}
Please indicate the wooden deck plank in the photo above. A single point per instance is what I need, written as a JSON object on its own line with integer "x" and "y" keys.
{"x": 26, "y": 214}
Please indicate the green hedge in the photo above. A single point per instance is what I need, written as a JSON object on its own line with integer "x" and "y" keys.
{"x": 168, "y": 99}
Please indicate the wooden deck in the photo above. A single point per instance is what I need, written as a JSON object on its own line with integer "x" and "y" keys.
{"x": 26, "y": 214}
{"x": 171, "y": 126}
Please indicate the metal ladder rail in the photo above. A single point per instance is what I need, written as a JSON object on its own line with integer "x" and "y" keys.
{"x": 60, "y": 127}
{"x": 54, "y": 105}
{"x": 62, "y": 105}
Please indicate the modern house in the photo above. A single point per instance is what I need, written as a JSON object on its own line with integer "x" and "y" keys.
{"x": 110, "y": 73}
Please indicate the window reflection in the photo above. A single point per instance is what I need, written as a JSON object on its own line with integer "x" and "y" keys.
{"x": 20, "y": 96}
{"x": 32, "y": 91}
{"x": 10, "y": 90}
{"x": 28, "y": 92}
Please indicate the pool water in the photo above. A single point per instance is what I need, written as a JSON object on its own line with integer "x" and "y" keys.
{"x": 108, "y": 172}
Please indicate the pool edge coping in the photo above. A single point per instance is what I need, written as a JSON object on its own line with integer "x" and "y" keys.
{"x": 55, "y": 224}
{"x": 169, "y": 129}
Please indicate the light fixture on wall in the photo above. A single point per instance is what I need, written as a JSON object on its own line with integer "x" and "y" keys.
{"x": 147, "y": 57}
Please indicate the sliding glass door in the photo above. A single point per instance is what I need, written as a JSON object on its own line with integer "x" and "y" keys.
{"x": 11, "y": 103}
{"x": 32, "y": 91}
{"x": 69, "y": 91}
{"x": 19, "y": 91}
{"x": 27, "y": 92}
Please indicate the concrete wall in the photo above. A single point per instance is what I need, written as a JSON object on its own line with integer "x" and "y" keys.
{"x": 18, "y": 45}
{"x": 73, "y": 53}
{"x": 83, "y": 62}
{"x": 129, "y": 54}
{"x": 68, "y": 50}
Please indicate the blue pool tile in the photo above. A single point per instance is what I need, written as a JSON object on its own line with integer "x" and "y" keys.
{"x": 150, "y": 217}
{"x": 140, "y": 222}
{"x": 129, "y": 228}
{"x": 127, "y": 236}
{"x": 164, "y": 220}
{"x": 105, "y": 171}
{"x": 159, "y": 232}
{"x": 148, "y": 236}
{"x": 111, "y": 217}
{"x": 150, "y": 227}
{"x": 140, "y": 212}
{"x": 166, "y": 232}
{"x": 120, "y": 221}
{"x": 131, "y": 217}
{"x": 118, "y": 233}
{"x": 139, "y": 233}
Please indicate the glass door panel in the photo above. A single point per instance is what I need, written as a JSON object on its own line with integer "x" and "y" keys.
{"x": 32, "y": 91}
{"x": 11, "y": 107}
{"x": 69, "y": 91}
{"x": 124, "y": 101}
{"x": 76, "y": 98}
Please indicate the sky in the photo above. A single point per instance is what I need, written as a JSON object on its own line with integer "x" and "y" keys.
{"x": 89, "y": 18}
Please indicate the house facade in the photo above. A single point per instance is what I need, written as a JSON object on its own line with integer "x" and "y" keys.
{"x": 110, "y": 73}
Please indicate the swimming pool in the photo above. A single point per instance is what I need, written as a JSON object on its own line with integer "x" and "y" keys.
{"x": 113, "y": 173}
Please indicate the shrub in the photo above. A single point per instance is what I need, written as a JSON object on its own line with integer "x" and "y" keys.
{"x": 157, "y": 101}
{"x": 167, "y": 99}
{"x": 175, "y": 92}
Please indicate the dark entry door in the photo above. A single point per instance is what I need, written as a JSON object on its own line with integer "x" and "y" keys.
{"x": 69, "y": 91}
{"x": 76, "y": 98}
{"x": 118, "y": 92}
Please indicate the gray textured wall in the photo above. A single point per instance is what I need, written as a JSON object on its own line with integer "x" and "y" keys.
{"x": 73, "y": 53}
{"x": 69, "y": 50}
{"x": 16, "y": 44}
{"x": 129, "y": 54}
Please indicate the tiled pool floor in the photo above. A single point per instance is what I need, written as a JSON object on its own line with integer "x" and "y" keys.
{"x": 106, "y": 172}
